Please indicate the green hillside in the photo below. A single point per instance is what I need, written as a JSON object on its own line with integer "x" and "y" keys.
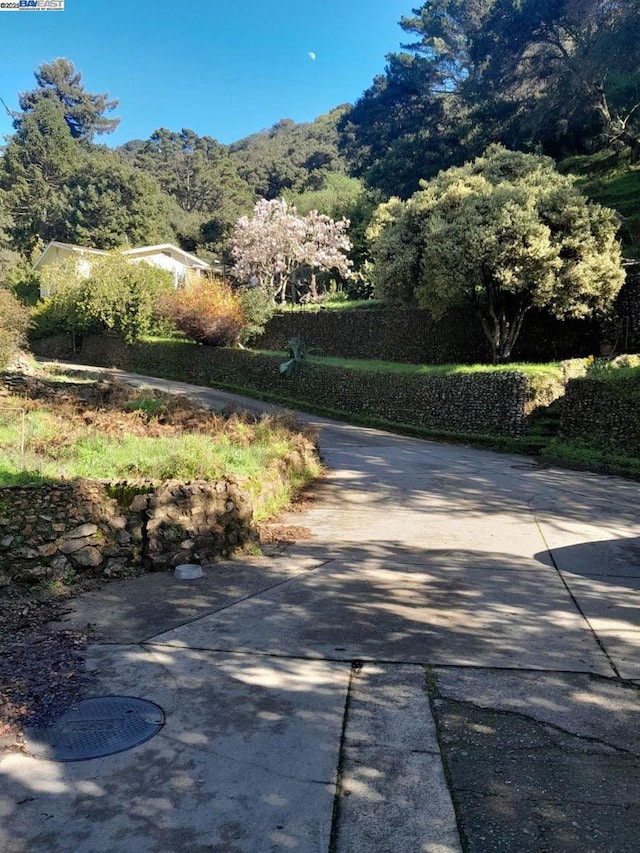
{"x": 611, "y": 179}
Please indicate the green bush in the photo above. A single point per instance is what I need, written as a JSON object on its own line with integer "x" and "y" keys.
{"x": 14, "y": 322}
{"x": 117, "y": 295}
{"x": 258, "y": 308}
{"x": 23, "y": 282}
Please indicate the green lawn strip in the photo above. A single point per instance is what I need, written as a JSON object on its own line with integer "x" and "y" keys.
{"x": 255, "y": 454}
{"x": 550, "y": 369}
{"x": 329, "y": 305}
{"x": 580, "y": 456}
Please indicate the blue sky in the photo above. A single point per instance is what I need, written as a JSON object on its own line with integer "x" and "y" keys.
{"x": 222, "y": 68}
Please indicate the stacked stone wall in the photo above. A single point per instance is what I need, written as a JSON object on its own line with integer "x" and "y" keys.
{"x": 55, "y": 532}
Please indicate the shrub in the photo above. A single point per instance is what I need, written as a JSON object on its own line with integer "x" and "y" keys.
{"x": 117, "y": 295}
{"x": 18, "y": 277}
{"x": 258, "y": 308}
{"x": 14, "y": 322}
{"x": 208, "y": 311}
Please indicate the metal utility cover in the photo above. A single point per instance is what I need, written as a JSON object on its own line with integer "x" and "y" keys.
{"x": 96, "y": 727}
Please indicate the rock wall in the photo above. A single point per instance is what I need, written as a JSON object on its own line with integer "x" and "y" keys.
{"x": 604, "y": 414}
{"x": 409, "y": 335}
{"x": 54, "y": 532}
{"x": 486, "y": 402}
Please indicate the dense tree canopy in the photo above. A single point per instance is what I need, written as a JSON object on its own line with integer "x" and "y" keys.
{"x": 194, "y": 170}
{"x": 199, "y": 174}
{"x": 105, "y": 204}
{"x": 290, "y": 156}
{"x": 53, "y": 188}
{"x": 37, "y": 162}
{"x": 502, "y": 234}
{"x": 558, "y": 74}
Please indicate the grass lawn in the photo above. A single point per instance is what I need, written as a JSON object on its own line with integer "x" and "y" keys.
{"x": 552, "y": 369}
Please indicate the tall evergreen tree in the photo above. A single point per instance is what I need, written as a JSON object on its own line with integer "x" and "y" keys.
{"x": 106, "y": 204}
{"x": 561, "y": 75}
{"x": 37, "y": 161}
{"x": 60, "y": 84}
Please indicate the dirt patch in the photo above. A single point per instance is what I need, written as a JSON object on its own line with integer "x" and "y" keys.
{"x": 282, "y": 533}
{"x": 41, "y": 663}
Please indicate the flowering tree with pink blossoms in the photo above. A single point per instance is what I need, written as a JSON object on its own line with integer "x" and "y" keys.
{"x": 275, "y": 244}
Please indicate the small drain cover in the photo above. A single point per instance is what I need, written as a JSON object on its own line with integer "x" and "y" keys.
{"x": 96, "y": 727}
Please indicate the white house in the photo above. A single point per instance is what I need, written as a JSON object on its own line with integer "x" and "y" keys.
{"x": 166, "y": 256}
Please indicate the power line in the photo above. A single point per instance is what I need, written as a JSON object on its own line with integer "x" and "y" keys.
{"x": 9, "y": 112}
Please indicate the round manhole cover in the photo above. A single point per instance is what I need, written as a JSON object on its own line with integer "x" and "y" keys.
{"x": 96, "y": 727}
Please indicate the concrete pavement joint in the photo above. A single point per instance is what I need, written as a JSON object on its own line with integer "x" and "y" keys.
{"x": 245, "y": 598}
{"x": 356, "y": 668}
{"x": 431, "y": 687}
{"x": 575, "y": 601}
{"x": 373, "y": 660}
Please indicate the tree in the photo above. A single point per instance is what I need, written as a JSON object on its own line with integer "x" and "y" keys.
{"x": 199, "y": 174}
{"x": 5, "y": 226}
{"x": 61, "y": 85}
{"x": 576, "y": 61}
{"x": 415, "y": 119}
{"x": 502, "y": 234}
{"x": 276, "y": 243}
{"x": 105, "y": 203}
{"x": 345, "y": 198}
{"x": 38, "y": 160}
{"x": 403, "y": 128}
{"x": 560, "y": 76}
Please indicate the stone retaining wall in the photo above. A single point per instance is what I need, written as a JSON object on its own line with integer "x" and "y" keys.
{"x": 55, "y": 531}
{"x": 409, "y": 335}
{"x": 487, "y": 402}
{"x": 604, "y": 415}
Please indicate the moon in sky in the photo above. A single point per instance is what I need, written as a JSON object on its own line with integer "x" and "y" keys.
{"x": 312, "y": 55}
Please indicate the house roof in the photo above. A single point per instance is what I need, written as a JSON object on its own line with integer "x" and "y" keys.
{"x": 69, "y": 247}
{"x": 186, "y": 258}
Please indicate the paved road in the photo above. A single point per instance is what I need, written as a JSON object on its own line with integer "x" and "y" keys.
{"x": 450, "y": 663}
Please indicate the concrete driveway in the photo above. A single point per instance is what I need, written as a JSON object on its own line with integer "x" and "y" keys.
{"x": 449, "y": 663}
